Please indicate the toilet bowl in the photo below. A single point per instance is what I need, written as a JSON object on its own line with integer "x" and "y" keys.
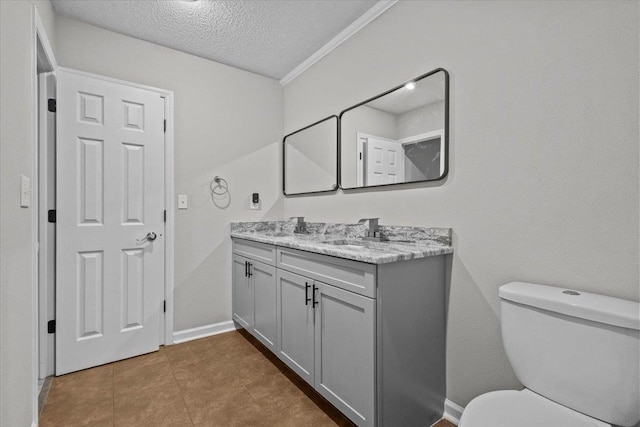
{"x": 576, "y": 353}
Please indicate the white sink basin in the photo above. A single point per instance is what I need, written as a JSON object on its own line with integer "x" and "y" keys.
{"x": 346, "y": 244}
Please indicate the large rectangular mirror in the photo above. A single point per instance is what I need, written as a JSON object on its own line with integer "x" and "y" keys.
{"x": 397, "y": 137}
{"x": 310, "y": 156}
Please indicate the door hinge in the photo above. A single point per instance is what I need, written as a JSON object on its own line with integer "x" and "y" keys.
{"x": 165, "y": 216}
{"x": 360, "y": 156}
{"x": 165, "y": 126}
{"x": 51, "y": 105}
{"x": 51, "y": 215}
{"x": 51, "y": 326}
{"x": 164, "y": 306}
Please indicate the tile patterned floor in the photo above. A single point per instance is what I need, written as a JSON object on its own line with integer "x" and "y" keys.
{"x": 224, "y": 380}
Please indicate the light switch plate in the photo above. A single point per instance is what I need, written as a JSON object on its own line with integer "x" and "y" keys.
{"x": 183, "y": 202}
{"x": 25, "y": 192}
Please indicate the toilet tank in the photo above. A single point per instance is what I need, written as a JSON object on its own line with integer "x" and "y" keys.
{"x": 578, "y": 349}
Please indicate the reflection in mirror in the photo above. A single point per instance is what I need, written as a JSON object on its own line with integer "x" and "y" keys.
{"x": 399, "y": 136}
{"x": 310, "y": 158}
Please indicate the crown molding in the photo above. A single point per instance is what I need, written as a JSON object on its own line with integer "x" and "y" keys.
{"x": 371, "y": 14}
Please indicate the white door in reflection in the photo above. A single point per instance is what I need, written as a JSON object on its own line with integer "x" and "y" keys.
{"x": 383, "y": 161}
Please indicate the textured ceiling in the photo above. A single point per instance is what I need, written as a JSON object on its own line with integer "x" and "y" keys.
{"x": 266, "y": 37}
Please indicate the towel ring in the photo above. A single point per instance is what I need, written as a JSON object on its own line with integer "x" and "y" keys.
{"x": 220, "y": 188}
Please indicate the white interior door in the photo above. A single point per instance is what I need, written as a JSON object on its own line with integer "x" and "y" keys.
{"x": 384, "y": 161}
{"x": 110, "y": 195}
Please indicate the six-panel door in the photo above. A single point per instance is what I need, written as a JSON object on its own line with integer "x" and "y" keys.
{"x": 109, "y": 196}
{"x": 242, "y": 292}
{"x": 264, "y": 294}
{"x": 295, "y": 320}
{"x": 345, "y": 352}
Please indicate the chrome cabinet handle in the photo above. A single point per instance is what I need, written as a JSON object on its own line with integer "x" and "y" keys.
{"x": 151, "y": 236}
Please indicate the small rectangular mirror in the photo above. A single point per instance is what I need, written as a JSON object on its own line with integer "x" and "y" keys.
{"x": 310, "y": 156}
{"x": 397, "y": 137}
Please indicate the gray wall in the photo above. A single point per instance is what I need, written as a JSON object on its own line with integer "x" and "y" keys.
{"x": 17, "y": 51}
{"x": 228, "y": 122}
{"x": 421, "y": 120}
{"x": 544, "y": 152}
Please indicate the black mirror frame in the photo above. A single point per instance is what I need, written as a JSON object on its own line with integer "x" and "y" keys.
{"x": 284, "y": 159}
{"x": 446, "y": 133}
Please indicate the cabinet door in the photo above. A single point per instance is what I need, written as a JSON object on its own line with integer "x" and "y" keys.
{"x": 264, "y": 294}
{"x": 345, "y": 352}
{"x": 242, "y": 293}
{"x": 295, "y": 318}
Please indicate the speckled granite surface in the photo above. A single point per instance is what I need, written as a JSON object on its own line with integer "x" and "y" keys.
{"x": 344, "y": 240}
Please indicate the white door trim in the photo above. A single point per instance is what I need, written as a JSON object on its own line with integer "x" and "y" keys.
{"x": 41, "y": 50}
{"x": 168, "y": 189}
{"x": 46, "y": 248}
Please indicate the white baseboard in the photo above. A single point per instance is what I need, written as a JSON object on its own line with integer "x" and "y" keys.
{"x": 452, "y": 412}
{"x": 203, "y": 331}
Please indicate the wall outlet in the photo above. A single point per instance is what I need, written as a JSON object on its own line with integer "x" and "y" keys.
{"x": 183, "y": 201}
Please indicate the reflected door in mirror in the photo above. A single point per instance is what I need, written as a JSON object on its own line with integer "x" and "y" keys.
{"x": 397, "y": 137}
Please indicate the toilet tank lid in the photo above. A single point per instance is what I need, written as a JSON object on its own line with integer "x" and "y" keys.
{"x": 583, "y": 305}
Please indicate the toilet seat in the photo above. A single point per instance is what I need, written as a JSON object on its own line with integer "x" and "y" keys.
{"x": 510, "y": 408}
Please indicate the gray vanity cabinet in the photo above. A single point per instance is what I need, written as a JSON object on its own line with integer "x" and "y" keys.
{"x": 295, "y": 323}
{"x": 370, "y": 338}
{"x": 331, "y": 345}
{"x": 345, "y": 348}
{"x": 242, "y": 292}
{"x": 264, "y": 296}
{"x": 254, "y": 290}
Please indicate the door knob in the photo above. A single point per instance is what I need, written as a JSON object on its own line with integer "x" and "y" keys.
{"x": 151, "y": 236}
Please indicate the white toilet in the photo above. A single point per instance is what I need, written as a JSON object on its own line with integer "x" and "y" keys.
{"x": 577, "y": 354}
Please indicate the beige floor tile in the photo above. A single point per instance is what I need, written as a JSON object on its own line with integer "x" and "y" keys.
{"x": 155, "y": 358}
{"x": 255, "y": 368}
{"x": 302, "y": 413}
{"x": 162, "y": 405}
{"x": 78, "y": 408}
{"x": 221, "y": 407}
{"x": 221, "y": 339}
{"x": 134, "y": 381}
{"x": 208, "y": 375}
{"x": 274, "y": 393}
{"x": 224, "y": 380}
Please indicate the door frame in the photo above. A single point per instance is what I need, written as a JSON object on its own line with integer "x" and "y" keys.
{"x": 42, "y": 59}
{"x": 166, "y": 327}
{"x": 45, "y": 251}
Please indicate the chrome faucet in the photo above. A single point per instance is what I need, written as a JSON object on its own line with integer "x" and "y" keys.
{"x": 301, "y": 226}
{"x": 373, "y": 233}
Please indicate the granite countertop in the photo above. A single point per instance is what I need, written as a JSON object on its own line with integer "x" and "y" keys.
{"x": 401, "y": 243}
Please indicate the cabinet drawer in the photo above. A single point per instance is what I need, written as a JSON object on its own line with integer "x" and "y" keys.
{"x": 350, "y": 275}
{"x": 255, "y": 250}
